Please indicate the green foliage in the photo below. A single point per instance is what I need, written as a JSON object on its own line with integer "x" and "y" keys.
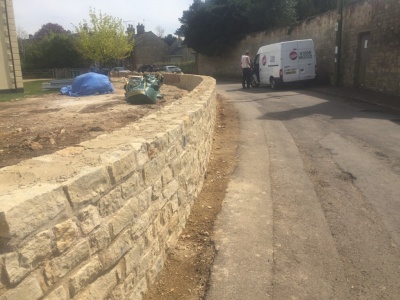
{"x": 48, "y": 29}
{"x": 308, "y": 8}
{"x": 55, "y": 50}
{"x": 31, "y": 89}
{"x": 104, "y": 39}
{"x": 212, "y": 26}
{"x": 169, "y": 39}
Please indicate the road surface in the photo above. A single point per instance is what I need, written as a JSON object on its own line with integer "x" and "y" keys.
{"x": 313, "y": 208}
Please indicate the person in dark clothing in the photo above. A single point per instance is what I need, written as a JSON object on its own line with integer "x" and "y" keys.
{"x": 245, "y": 64}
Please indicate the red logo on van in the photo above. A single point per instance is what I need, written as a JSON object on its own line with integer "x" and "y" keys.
{"x": 264, "y": 60}
{"x": 293, "y": 55}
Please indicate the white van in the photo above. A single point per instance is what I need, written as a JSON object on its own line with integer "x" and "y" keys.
{"x": 279, "y": 63}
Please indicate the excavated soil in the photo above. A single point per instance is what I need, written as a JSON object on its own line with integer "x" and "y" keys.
{"x": 38, "y": 126}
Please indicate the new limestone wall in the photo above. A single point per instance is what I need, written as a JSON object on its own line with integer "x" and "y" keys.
{"x": 95, "y": 221}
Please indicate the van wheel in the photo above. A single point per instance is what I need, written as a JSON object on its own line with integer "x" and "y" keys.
{"x": 272, "y": 83}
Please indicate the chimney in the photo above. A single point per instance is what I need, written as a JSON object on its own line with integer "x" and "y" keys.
{"x": 140, "y": 28}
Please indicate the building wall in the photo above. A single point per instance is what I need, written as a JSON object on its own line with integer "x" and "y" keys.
{"x": 10, "y": 64}
{"x": 149, "y": 49}
{"x": 378, "y": 17}
{"x": 96, "y": 221}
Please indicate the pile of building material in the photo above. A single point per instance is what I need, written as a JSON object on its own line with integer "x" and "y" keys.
{"x": 143, "y": 89}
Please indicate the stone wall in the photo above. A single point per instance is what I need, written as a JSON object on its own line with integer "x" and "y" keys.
{"x": 95, "y": 221}
{"x": 379, "y": 17}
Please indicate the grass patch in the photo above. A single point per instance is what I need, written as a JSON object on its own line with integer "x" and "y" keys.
{"x": 31, "y": 89}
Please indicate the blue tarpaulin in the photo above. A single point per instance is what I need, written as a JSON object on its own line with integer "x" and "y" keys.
{"x": 88, "y": 84}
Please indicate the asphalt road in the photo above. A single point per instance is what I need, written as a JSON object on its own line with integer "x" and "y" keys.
{"x": 313, "y": 208}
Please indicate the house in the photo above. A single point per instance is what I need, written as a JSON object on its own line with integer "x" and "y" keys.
{"x": 178, "y": 52}
{"x": 151, "y": 49}
{"x": 10, "y": 64}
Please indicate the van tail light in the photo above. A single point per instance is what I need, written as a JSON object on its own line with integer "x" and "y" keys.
{"x": 281, "y": 73}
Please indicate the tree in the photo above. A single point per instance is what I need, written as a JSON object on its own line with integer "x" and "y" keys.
{"x": 170, "y": 39}
{"x": 48, "y": 29}
{"x": 212, "y": 26}
{"x": 160, "y": 31}
{"x": 103, "y": 40}
{"x": 308, "y": 8}
{"x": 56, "y": 50}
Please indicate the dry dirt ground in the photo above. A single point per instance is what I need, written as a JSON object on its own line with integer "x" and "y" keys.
{"x": 39, "y": 126}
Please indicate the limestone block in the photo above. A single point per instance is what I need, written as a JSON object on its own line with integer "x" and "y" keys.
{"x": 174, "y": 133}
{"x": 142, "y": 156}
{"x": 24, "y": 211}
{"x": 66, "y": 233}
{"x": 173, "y": 152}
{"x": 182, "y": 196}
{"x": 89, "y": 219}
{"x": 121, "y": 162}
{"x": 132, "y": 185}
{"x": 166, "y": 214}
{"x": 37, "y": 249}
{"x": 132, "y": 258}
{"x": 166, "y": 176}
{"x": 141, "y": 225}
{"x": 111, "y": 202}
{"x": 116, "y": 250}
{"x": 144, "y": 199}
{"x": 139, "y": 290}
{"x": 29, "y": 289}
{"x": 158, "y": 144}
{"x": 15, "y": 273}
{"x": 145, "y": 264}
{"x": 174, "y": 236}
{"x": 150, "y": 234}
{"x": 176, "y": 166}
{"x": 1, "y": 274}
{"x": 170, "y": 189}
{"x": 119, "y": 292}
{"x": 101, "y": 288}
{"x": 125, "y": 216}
{"x": 152, "y": 169}
{"x": 60, "y": 293}
{"x": 175, "y": 203}
{"x": 88, "y": 185}
{"x": 124, "y": 291}
{"x": 157, "y": 189}
{"x": 155, "y": 270}
{"x": 58, "y": 267}
{"x": 100, "y": 238}
{"x": 87, "y": 274}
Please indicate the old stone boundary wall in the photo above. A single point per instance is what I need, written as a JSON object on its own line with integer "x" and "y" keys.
{"x": 95, "y": 221}
{"x": 379, "y": 18}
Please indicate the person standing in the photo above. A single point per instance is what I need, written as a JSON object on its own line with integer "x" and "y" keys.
{"x": 245, "y": 64}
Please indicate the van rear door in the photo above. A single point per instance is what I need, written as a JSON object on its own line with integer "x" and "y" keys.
{"x": 306, "y": 57}
{"x": 290, "y": 61}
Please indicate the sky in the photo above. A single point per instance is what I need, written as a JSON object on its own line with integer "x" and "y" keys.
{"x": 30, "y": 15}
